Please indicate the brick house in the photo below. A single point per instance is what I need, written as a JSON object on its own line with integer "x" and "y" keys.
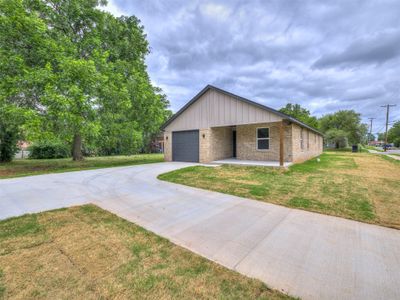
{"x": 217, "y": 125}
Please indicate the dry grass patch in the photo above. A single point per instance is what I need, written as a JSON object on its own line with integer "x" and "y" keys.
{"x": 357, "y": 186}
{"x": 87, "y": 253}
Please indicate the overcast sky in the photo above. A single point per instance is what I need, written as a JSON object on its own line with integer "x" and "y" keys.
{"x": 325, "y": 56}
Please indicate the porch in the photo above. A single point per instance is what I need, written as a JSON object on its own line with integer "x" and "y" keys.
{"x": 261, "y": 144}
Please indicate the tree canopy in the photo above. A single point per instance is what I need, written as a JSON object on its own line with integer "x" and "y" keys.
{"x": 300, "y": 113}
{"x": 343, "y": 124}
{"x": 394, "y": 134}
{"x": 81, "y": 72}
{"x": 340, "y": 128}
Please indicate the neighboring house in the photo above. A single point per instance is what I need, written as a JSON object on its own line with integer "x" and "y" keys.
{"x": 157, "y": 144}
{"x": 376, "y": 143}
{"x": 216, "y": 125}
{"x": 23, "y": 151}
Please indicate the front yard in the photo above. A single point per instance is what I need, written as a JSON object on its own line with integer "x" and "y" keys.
{"x": 26, "y": 167}
{"x": 358, "y": 186}
{"x": 88, "y": 253}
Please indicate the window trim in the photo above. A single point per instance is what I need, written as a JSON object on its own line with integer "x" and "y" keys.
{"x": 268, "y": 138}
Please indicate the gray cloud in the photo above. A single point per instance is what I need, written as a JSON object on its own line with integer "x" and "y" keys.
{"x": 377, "y": 49}
{"x": 325, "y": 55}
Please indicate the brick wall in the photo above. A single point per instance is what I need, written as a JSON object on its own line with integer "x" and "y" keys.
{"x": 246, "y": 142}
{"x": 312, "y": 144}
{"x": 167, "y": 146}
{"x": 204, "y": 144}
{"x": 215, "y": 143}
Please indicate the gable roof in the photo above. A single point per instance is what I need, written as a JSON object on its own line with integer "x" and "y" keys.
{"x": 210, "y": 87}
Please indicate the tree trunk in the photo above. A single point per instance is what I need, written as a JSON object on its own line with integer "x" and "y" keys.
{"x": 77, "y": 148}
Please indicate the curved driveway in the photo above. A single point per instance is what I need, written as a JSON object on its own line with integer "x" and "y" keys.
{"x": 305, "y": 254}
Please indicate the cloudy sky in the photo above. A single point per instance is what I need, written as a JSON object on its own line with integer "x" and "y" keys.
{"x": 325, "y": 55}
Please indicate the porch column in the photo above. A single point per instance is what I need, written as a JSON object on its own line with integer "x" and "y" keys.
{"x": 281, "y": 143}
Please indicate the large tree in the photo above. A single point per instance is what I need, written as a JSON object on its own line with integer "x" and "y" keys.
{"x": 300, "y": 113}
{"x": 81, "y": 70}
{"x": 344, "y": 123}
{"x": 394, "y": 134}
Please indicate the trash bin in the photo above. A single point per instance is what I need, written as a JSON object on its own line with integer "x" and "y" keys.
{"x": 354, "y": 148}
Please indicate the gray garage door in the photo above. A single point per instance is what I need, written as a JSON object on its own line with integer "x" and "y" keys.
{"x": 185, "y": 146}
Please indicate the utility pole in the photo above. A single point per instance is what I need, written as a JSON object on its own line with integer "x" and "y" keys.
{"x": 387, "y": 122}
{"x": 370, "y": 130}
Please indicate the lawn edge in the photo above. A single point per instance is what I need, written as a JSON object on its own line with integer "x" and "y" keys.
{"x": 77, "y": 170}
{"x": 289, "y": 207}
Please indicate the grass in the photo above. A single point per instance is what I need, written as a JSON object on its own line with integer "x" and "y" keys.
{"x": 87, "y": 253}
{"x": 391, "y": 159}
{"x": 358, "y": 186}
{"x": 26, "y": 167}
{"x": 373, "y": 148}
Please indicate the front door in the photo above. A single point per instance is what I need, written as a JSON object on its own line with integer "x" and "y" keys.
{"x": 233, "y": 143}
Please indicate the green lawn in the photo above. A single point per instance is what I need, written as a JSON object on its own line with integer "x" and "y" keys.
{"x": 357, "y": 186}
{"x": 88, "y": 253}
{"x": 373, "y": 148}
{"x": 391, "y": 159}
{"x": 26, "y": 167}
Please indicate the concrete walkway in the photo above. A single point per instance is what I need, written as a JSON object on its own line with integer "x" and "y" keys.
{"x": 304, "y": 254}
{"x": 387, "y": 153}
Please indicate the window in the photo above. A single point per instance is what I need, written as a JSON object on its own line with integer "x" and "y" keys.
{"x": 262, "y": 138}
{"x": 301, "y": 139}
{"x": 308, "y": 140}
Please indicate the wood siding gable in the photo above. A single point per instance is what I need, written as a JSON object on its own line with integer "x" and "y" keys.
{"x": 215, "y": 109}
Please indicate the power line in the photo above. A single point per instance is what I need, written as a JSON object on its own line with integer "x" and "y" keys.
{"x": 388, "y": 106}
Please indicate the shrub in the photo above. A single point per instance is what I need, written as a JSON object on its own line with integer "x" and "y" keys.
{"x": 8, "y": 145}
{"x": 49, "y": 149}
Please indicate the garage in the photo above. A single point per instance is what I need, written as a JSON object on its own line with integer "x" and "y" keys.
{"x": 185, "y": 146}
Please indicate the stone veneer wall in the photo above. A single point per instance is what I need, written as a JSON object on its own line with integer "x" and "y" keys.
{"x": 246, "y": 142}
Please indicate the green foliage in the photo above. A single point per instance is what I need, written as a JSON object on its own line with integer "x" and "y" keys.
{"x": 394, "y": 134}
{"x": 344, "y": 124}
{"x": 8, "y": 144}
{"x": 381, "y": 136}
{"x": 337, "y": 137}
{"x": 10, "y": 131}
{"x": 49, "y": 149}
{"x": 300, "y": 113}
{"x": 370, "y": 137}
{"x": 82, "y": 71}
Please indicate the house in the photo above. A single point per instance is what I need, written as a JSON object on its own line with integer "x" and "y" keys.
{"x": 157, "y": 144}
{"x": 217, "y": 125}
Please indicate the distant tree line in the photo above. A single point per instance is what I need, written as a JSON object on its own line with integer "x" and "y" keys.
{"x": 340, "y": 128}
{"x": 75, "y": 75}
{"x": 394, "y": 134}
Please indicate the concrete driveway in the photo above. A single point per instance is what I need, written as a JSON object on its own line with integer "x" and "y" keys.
{"x": 304, "y": 254}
